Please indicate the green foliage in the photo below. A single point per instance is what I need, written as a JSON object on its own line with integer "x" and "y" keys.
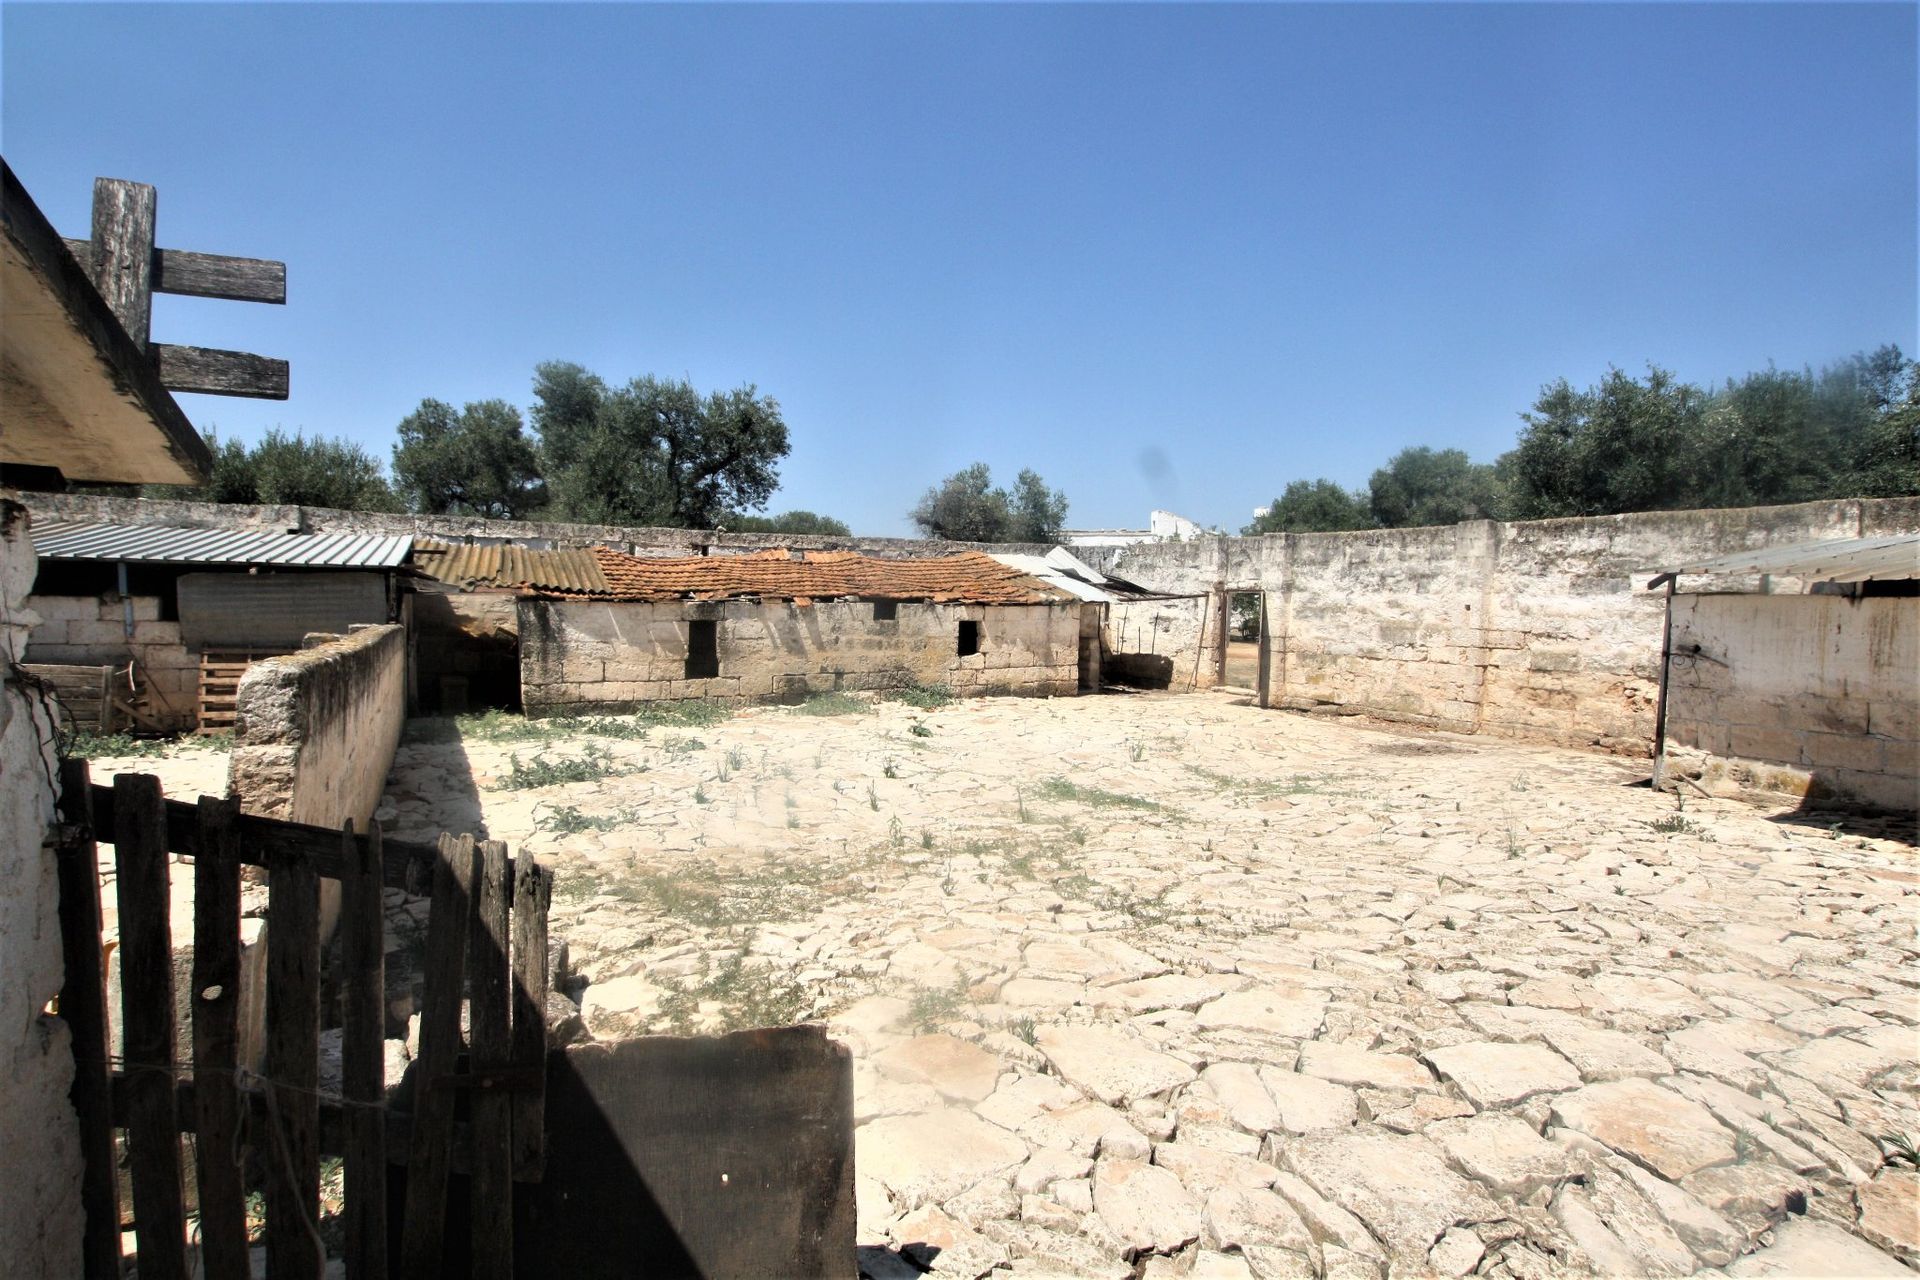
{"x": 566, "y": 820}
{"x": 654, "y": 452}
{"x": 1062, "y": 789}
{"x": 292, "y": 470}
{"x": 543, "y": 770}
{"x": 1313, "y": 506}
{"x": 834, "y": 704}
{"x": 966, "y": 507}
{"x": 787, "y": 522}
{"x": 476, "y": 462}
{"x": 1420, "y": 486}
{"x": 933, "y": 1007}
{"x": 96, "y": 746}
{"x": 927, "y": 697}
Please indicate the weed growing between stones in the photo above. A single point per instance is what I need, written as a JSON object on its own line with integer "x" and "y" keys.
{"x": 566, "y": 820}
{"x": 1022, "y": 1029}
{"x": 95, "y": 746}
{"x": 919, "y": 729}
{"x": 833, "y": 704}
{"x": 1901, "y": 1149}
{"x": 927, "y": 697}
{"x": 591, "y": 765}
{"x": 760, "y": 998}
{"x": 1677, "y": 824}
{"x": 1060, "y": 789}
{"x": 931, "y": 1007}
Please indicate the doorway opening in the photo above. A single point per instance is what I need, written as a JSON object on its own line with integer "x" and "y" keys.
{"x": 1243, "y": 650}
{"x": 703, "y": 649}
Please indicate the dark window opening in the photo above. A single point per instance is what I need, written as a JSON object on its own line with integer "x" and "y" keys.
{"x": 969, "y": 639}
{"x": 886, "y": 610}
{"x": 703, "y": 650}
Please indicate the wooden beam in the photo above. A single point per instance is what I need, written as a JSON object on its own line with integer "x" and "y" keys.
{"x": 449, "y": 918}
{"x": 213, "y": 372}
{"x": 363, "y": 1083}
{"x": 491, "y": 1041}
{"x": 122, "y": 259}
{"x": 265, "y": 842}
{"x": 215, "y": 1003}
{"x": 531, "y": 890}
{"x": 83, "y": 1004}
{"x": 291, "y": 1142}
{"x": 207, "y": 275}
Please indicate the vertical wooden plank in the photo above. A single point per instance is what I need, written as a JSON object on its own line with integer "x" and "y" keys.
{"x": 363, "y": 1056}
{"x": 216, "y": 1004}
{"x": 532, "y": 891}
{"x": 290, "y": 1146}
{"x": 492, "y": 1051}
{"x": 83, "y": 1005}
{"x": 123, "y": 214}
{"x": 421, "y": 1240}
{"x": 146, "y": 993}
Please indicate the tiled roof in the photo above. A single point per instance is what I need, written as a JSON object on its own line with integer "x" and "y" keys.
{"x": 510, "y": 567}
{"x": 968, "y": 578}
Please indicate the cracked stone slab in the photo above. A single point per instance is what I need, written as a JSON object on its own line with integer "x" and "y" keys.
{"x": 1503, "y": 1152}
{"x": 1110, "y": 1065}
{"x": 1344, "y": 1064}
{"x": 934, "y": 1155}
{"x": 1399, "y": 1186}
{"x": 1669, "y": 1134}
{"x": 1494, "y": 1075}
{"x": 1145, "y": 1206}
{"x": 952, "y": 1067}
{"x": 1805, "y": 1248}
{"x": 1890, "y": 1213}
{"x": 1273, "y": 1010}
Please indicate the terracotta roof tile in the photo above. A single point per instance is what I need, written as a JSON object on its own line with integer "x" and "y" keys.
{"x": 971, "y": 577}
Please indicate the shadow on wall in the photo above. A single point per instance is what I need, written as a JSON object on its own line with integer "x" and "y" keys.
{"x": 1138, "y": 670}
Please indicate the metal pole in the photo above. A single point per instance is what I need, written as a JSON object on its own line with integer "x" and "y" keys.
{"x": 1660, "y": 709}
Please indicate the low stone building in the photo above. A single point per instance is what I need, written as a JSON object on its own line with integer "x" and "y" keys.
{"x": 779, "y": 626}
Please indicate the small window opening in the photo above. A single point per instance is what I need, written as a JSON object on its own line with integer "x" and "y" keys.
{"x": 703, "y": 650}
{"x": 886, "y": 610}
{"x": 969, "y": 639}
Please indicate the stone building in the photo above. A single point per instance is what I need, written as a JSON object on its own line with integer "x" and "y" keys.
{"x": 780, "y": 625}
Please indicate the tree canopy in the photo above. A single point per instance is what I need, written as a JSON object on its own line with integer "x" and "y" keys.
{"x": 290, "y": 469}
{"x": 787, "y": 522}
{"x": 1422, "y": 486}
{"x": 474, "y": 462}
{"x": 1313, "y": 506}
{"x": 967, "y": 507}
{"x": 654, "y": 451}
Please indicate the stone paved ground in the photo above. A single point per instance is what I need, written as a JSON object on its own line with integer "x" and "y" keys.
{"x": 1163, "y": 985}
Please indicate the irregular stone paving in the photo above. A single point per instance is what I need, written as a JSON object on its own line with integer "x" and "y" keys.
{"x": 1247, "y": 993}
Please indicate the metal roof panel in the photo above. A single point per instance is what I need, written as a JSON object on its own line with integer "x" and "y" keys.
{"x": 164, "y": 544}
{"x": 1834, "y": 560}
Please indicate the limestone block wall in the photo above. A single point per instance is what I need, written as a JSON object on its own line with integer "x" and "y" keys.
{"x": 40, "y": 1204}
{"x": 470, "y": 635}
{"x": 1162, "y": 644}
{"x": 92, "y": 631}
{"x": 581, "y": 653}
{"x": 1540, "y": 629}
{"x": 315, "y": 731}
{"x": 1804, "y": 694}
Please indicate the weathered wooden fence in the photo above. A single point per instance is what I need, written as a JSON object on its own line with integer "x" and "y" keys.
{"x": 487, "y": 934}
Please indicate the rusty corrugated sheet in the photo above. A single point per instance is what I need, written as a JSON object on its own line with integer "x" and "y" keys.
{"x": 1836, "y": 560}
{"x": 510, "y": 567}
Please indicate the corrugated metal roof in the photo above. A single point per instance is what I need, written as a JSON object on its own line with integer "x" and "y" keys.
{"x": 1075, "y": 579}
{"x": 970, "y": 577}
{"x": 1836, "y": 560}
{"x": 162, "y": 544}
{"x": 509, "y": 567}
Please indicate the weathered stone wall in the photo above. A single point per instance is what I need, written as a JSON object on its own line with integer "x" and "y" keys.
{"x": 40, "y": 1191}
{"x": 1162, "y": 644}
{"x": 637, "y": 540}
{"x": 1803, "y": 694}
{"x": 578, "y": 653}
{"x": 316, "y": 730}
{"x": 469, "y": 636}
{"x": 92, "y": 631}
{"x": 1540, "y": 629}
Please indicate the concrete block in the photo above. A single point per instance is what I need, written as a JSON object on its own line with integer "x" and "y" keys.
{"x": 154, "y": 632}
{"x": 1776, "y": 746}
{"x": 146, "y": 609}
{"x": 1845, "y": 751}
{"x": 1887, "y": 718}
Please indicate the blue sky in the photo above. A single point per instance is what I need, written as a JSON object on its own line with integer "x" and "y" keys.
{"x": 1167, "y": 256}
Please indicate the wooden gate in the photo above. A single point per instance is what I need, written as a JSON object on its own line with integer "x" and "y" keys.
{"x": 487, "y": 934}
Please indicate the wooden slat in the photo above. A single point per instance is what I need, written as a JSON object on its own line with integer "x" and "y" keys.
{"x": 265, "y": 842}
{"x": 83, "y": 1004}
{"x": 290, "y": 1147}
{"x": 206, "y": 275}
{"x": 215, "y": 1004}
{"x": 213, "y": 372}
{"x": 362, "y": 1053}
{"x": 489, "y": 982}
{"x": 422, "y": 1234}
{"x": 532, "y": 890}
{"x": 122, "y": 259}
{"x": 146, "y": 992}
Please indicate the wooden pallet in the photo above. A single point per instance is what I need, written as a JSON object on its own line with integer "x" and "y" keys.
{"x": 220, "y": 672}
{"x": 85, "y": 695}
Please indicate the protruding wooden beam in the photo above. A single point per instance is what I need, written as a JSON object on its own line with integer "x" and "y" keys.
{"x": 220, "y": 373}
{"x": 122, "y": 258}
{"x": 206, "y": 275}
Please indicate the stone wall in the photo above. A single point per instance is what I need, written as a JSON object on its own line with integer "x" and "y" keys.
{"x": 1804, "y": 694}
{"x": 1163, "y": 644}
{"x": 40, "y": 1216}
{"x": 638, "y": 540}
{"x": 580, "y": 653}
{"x": 92, "y": 631}
{"x": 468, "y": 637}
{"x": 316, "y": 730}
{"x": 1539, "y": 629}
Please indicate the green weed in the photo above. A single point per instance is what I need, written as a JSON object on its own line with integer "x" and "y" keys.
{"x": 566, "y": 820}
{"x": 591, "y": 765}
{"x": 933, "y": 1006}
{"x": 927, "y": 697}
{"x": 1061, "y": 789}
{"x": 833, "y": 704}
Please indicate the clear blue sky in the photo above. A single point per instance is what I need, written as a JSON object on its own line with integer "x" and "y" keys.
{"x": 1166, "y": 256}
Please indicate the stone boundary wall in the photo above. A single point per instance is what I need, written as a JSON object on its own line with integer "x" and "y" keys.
{"x": 634, "y": 539}
{"x": 316, "y": 730}
{"x": 40, "y": 1214}
{"x": 580, "y": 654}
{"x": 1806, "y": 695}
{"x": 1162, "y": 644}
{"x": 1541, "y": 629}
{"x": 91, "y": 631}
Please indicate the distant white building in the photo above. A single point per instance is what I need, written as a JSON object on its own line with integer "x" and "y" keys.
{"x": 1162, "y": 526}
